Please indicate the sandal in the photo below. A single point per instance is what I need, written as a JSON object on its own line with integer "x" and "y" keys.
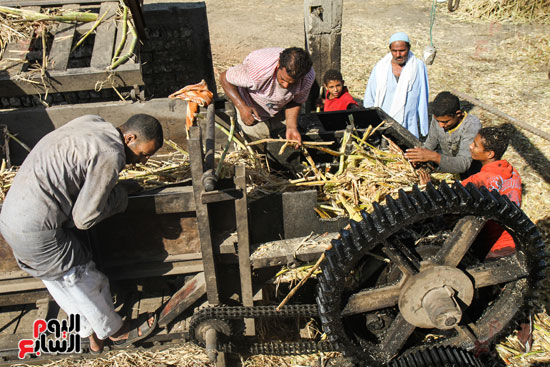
{"x": 133, "y": 335}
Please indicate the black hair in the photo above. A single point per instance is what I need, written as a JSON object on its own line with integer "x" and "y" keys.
{"x": 296, "y": 61}
{"x": 146, "y": 128}
{"x": 494, "y": 139}
{"x": 332, "y": 75}
{"x": 445, "y": 104}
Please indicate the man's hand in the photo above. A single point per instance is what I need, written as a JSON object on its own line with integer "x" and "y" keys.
{"x": 248, "y": 114}
{"x": 423, "y": 176}
{"x": 131, "y": 186}
{"x": 422, "y": 155}
{"x": 292, "y": 133}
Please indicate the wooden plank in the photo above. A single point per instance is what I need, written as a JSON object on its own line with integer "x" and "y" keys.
{"x": 196, "y": 158}
{"x": 62, "y": 42}
{"x": 221, "y": 195}
{"x": 20, "y": 285}
{"x": 136, "y": 271}
{"x": 105, "y": 37}
{"x": 245, "y": 271}
{"x": 14, "y": 58}
{"x": 191, "y": 291}
{"x": 73, "y": 80}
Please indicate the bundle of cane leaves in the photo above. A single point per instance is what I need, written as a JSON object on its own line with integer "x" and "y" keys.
{"x": 164, "y": 169}
{"x": 6, "y": 177}
{"x": 513, "y": 353}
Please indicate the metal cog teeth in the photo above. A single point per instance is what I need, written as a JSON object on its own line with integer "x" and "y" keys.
{"x": 408, "y": 210}
{"x": 405, "y": 206}
{"x": 392, "y": 211}
{"x": 378, "y": 218}
{"x": 434, "y": 195}
{"x": 419, "y": 200}
{"x": 464, "y": 195}
{"x": 449, "y": 196}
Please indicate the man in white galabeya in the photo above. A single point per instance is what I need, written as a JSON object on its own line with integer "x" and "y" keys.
{"x": 399, "y": 85}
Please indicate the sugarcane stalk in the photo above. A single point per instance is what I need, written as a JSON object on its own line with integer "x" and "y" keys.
{"x": 130, "y": 52}
{"x": 312, "y": 163}
{"x": 342, "y": 151}
{"x": 124, "y": 33}
{"x": 83, "y": 38}
{"x": 175, "y": 146}
{"x": 306, "y": 143}
{"x": 304, "y": 279}
{"x": 235, "y": 140}
{"x": 32, "y": 16}
{"x": 229, "y": 139}
{"x": 25, "y": 146}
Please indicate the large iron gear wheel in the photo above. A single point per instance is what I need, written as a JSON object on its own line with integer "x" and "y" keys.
{"x": 437, "y": 357}
{"x": 373, "y": 264}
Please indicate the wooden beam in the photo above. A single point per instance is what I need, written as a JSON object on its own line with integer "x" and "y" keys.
{"x": 104, "y": 42}
{"x": 245, "y": 271}
{"x": 62, "y": 43}
{"x": 197, "y": 169}
{"x": 323, "y": 27}
{"x": 191, "y": 291}
{"x": 73, "y": 79}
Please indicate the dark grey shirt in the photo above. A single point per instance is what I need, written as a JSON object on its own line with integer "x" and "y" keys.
{"x": 68, "y": 180}
{"x": 454, "y": 147}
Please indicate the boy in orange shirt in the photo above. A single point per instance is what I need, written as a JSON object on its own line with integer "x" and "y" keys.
{"x": 337, "y": 97}
{"x": 488, "y": 147}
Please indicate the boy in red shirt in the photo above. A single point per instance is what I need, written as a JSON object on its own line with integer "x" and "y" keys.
{"x": 488, "y": 147}
{"x": 496, "y": 174}
{"x": 337, "y": 97}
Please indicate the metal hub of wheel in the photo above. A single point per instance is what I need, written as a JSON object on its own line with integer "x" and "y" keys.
{"x": 431, "y": 298}
{"x": 414, "y": 273}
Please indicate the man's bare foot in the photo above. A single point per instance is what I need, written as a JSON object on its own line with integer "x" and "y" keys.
{"x": 96, "y": 345}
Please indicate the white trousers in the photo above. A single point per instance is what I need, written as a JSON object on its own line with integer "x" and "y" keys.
{"x": 85, "y": 291}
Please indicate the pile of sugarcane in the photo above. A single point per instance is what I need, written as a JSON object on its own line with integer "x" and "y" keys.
{"x": 164, "y": 169}
{"x": 365, "y": 174}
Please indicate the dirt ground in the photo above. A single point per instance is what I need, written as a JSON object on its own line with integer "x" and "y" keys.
{"x": 500, "y": 64}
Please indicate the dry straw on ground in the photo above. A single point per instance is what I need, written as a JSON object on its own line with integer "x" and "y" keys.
{"x": 519, "y": 11}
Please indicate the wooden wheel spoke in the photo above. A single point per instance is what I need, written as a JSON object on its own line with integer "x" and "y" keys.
{"x": 372, "y": 299}
{"x": 504, "y": 270}
{"x": 396, "y": 336}
{"x": 457, "y": 244}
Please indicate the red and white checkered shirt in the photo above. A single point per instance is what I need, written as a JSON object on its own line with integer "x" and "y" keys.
{"x": 256, "y": 79}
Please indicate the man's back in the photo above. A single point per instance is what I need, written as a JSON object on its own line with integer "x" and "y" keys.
{"x": 66, "y": 176}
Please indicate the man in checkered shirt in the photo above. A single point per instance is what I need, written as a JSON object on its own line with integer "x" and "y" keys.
{"x": 267, "y": 90}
